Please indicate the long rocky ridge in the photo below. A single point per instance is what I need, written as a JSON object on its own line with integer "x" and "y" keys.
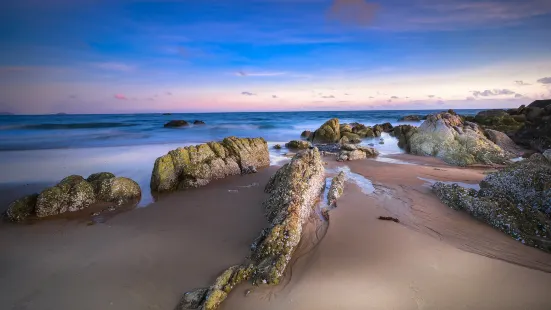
{"x": 294, "y": 191}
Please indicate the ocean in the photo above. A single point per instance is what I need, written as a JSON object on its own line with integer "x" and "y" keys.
{"x": 40, "y": 150}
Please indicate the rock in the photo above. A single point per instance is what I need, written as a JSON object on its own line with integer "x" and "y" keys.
{"x": 504, "y": 142}
{"x": 515, "y": 200}
{"x": 71, "y": 194}
{"x": 336, "y": 189}
{"x": 446, "y": 136}
{"x": 366, "y": 133}
{"x": 410, "y": 118}
{"x": 329, "y": 132}
{"x": 298, "y": 144}
{"x": 198, "y": 122}
{"x": 351, "y": 155}
{"x": 167, "y": 113}
{"x": 385, "y": 127}
{"x": 277, "y": 147}
{"x": 248, "y": 170}
{"x": 351, "y": 138}
{"x": 547, "y": 154}
{"x": 389, "y": 218}
{"x": 118, "y": 190}
{"x": 20, "y": 209}
{"x": 194, "y": 166}
{"x": 403, "y": 133}
{"x": 498, "y": 120}
{"x": 307, "y": 134}
{"x": 193, "y": 299}
{"x": 176, "y": 123}
{"x": 536, "y": 133}
{"x": 345, "y": 128}
{"x": 293, "y": 191}
{"x": 344, "y": 140}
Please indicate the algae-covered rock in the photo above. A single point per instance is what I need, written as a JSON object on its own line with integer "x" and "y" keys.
{"x": 384, "y": 127}
{"x": 20, "y": 209}
{"x": 351, "y": 155}
{"x": 307, "y": 134}
{"x": 193, "y": 299}
{"x": 277, "y": 147}
{"x": 446, "y": 136}
{"x": 516, "y": 200}
{"x": 411, "y": 118}
{"x": 71, "y": 194}
{"x": 294, "y": 190}
{"x": 298, "y": 144}
{"x": 329, "y": 132}
{"x": 119, "y": 190}
{"x": 345, "y": 128}
{"x": 403, "y": 133}
{"x": 352, "y": 137}
{"x": 196, "y": 165}
{"x": 336, "y": 189}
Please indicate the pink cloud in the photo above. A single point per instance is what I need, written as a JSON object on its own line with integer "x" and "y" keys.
{"x": 120, "y": 97}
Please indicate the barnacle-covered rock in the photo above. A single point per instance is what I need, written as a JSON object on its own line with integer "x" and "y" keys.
{"x": 329, "y": 132}
{"x": 297, "y": 144}
{"x": 73, "y": 193}
{"x": 516, "y": 200}
{"x": 336, "y": 189}
{"x": 22, "y": 208}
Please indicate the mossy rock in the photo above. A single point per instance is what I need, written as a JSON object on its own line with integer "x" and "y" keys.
{"x": 329, "y": 132}
{"x": 20, "y": 209}
{"x": 352, "y": 137}
{"x": 298, "y": 144}
{"x": 118, "y": 190}
{"x": 73, "y": 193}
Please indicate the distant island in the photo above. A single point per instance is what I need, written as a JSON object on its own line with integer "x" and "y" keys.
{"x": 61, "y": 113}
{"x": 6, "y": 113}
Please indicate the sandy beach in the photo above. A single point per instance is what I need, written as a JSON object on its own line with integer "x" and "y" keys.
{"x": 435, "y": 258}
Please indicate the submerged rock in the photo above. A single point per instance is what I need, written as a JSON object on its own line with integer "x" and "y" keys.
{"x": 516, "y": 200}
{"x": 329, "y": 132}
{"x": 198, "y": 122}
{"x": 336, "y": 189}
{"x": 74, "y": 193}
{"x": 194, "y": 166}
{"x": 298, "y": 144}
{"x": 307, "y": 134}
{"x": 411, "y": 118}
{"x": 293, "y": 189}
{"x": 176, "y": 123}
{"x": 277, "y": 147}
{"x": 446, "y": 136}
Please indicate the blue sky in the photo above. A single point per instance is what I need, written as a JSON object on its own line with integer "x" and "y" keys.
{"x": 94, "y": 56}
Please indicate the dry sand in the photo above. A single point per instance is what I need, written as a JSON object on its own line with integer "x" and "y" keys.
{"x": 435, "y": 258}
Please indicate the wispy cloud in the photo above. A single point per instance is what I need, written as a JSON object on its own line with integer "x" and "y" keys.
{"x": 545, "y": 80}
{"x": 495, "y": 92}
{"x": 470, "y": 98}
{"x": 394, "y": 97}
{"x": 328, "y": 97}
{"x": 120, "y": 97}
{"x": 521, "y": 83}
{"x": 354, "y": 12}
{"x": 274, "y": 96}
{"x": 246, "y": 93}
{"x": 431, "y": 96}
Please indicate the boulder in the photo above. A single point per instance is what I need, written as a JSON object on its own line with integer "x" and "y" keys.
{"x": 72, "y": 194}
{"x": 547, "y": 154}
{"x": 498, "y": 120}
{"x": 307, "y": 134}
{"x": 298, "y": 144}
{"x": 336, "y": 189}
{"x": 329, "y": 132}
{"x": 176, "y": 123}
{"x": 403, "y": 133}
{"x": 503, "y": 141}
{"x": 516, "y": 200}
{"x": 446, "y": 136}
{"x": 385, "y": 127}
{"x": 194, "y": 166}
{"x": 344, "y": 140}
{"x": 353, "y": 152}
{"x": 277, "y": 147}
{"x": 198, "y": 122}
{"x": 351, "y": 137}
{"x": 410, "y": 118}
{"x": 22, "y": 208}
{"x": 118, "y": 190}
{"x": 536, "y": 133}
{"x": 345, "y": 128}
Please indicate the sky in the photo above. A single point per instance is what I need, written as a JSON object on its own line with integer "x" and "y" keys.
{"x": 130, "y": 56}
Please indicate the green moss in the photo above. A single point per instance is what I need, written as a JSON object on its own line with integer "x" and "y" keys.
{"x": 329, "y": 132}
{"x": 164, "y": 176}
{"x": 22, "y": 208}
{"x": 218, "y": 149}
{"x": 100, "y": 176}
{"x": 214, "y": 299}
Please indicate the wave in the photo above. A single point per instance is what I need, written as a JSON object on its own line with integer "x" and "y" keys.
{"x": 74, "y": 126}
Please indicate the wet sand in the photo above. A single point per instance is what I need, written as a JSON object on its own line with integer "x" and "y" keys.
{"x": 435, "y": 258}
{"x": 430, "y": 260}
{"x": 141, "y": 259}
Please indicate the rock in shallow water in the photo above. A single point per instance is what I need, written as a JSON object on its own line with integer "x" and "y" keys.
{"x": 176, "y": 123}
{"x": 515, "y": 200}
{"x": 71, "y": 194}
{"x": 197, "y": 165}
{"x": 336, "y": 189}
{"x": 22, "y": 208}
{"x": 329, "y": 132}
